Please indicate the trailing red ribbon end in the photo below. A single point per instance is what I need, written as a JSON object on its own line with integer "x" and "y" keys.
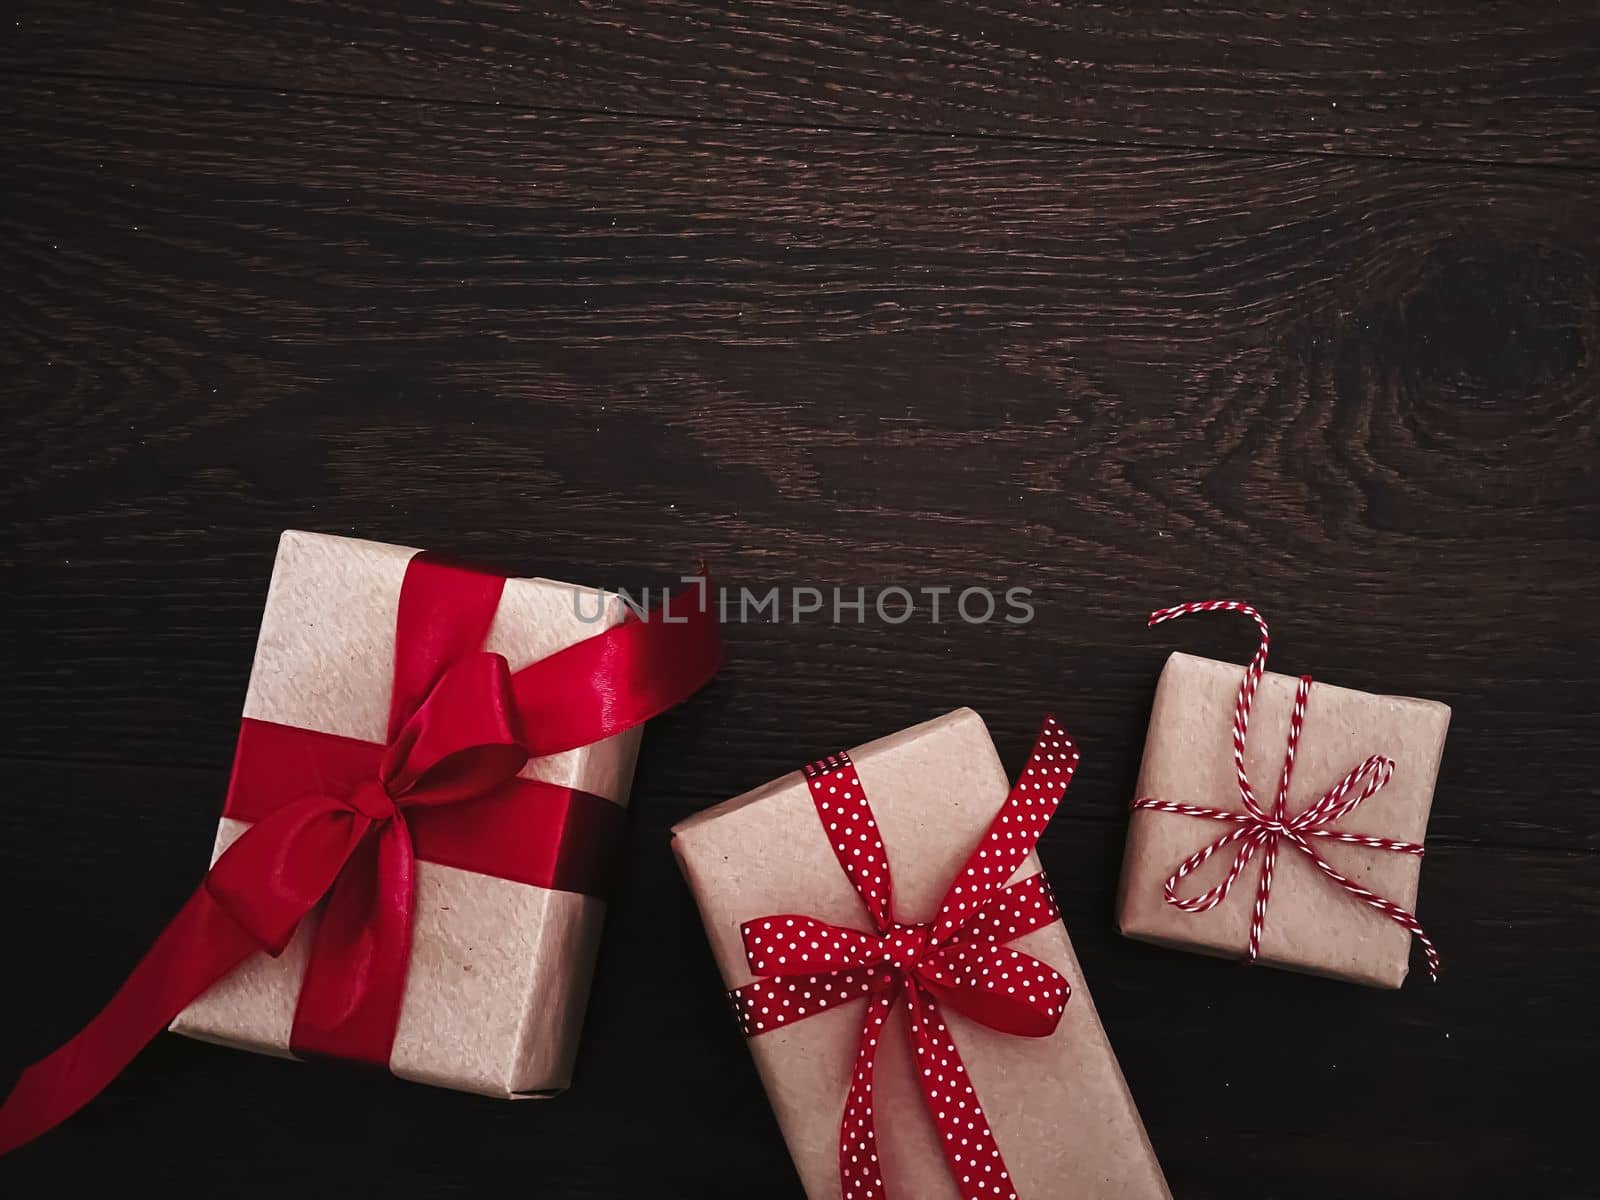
{"x": 344, "y": 821}
{"x": 1258, "y": 829}
{"x": 960, "y": 959}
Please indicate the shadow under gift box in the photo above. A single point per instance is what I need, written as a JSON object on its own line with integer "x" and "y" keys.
{"x": 499, "y": 971}
{"x": 1312, "y": 924}
{"x": 1061, "y": 1112}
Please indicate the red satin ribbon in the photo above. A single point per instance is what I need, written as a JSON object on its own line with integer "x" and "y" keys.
{"x": 524, "y": 830}
{"x": 344, "y": 821}
{"x": 960, "y": 958}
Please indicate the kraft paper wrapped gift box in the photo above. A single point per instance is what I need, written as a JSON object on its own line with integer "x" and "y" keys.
{"x": 1311, "y": 924}
{"x": 499, "y": 970}
{"x": 1062, "y": 1115}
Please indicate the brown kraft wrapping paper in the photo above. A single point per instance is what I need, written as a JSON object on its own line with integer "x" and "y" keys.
{"x": 1061, "y": 1111}
{"x": 1312, "y": 924}
{"x": 499, "y": 972}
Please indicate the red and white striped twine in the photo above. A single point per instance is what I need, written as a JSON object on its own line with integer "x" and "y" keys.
{"x": 1263, "y": 830}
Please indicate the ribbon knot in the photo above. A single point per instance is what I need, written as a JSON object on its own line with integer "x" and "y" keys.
{"x": 961, "y": 958}
{"x": 1260, "y": 829}
{"x": 372, "y": 801}
{"x": 455, "y": 735}
{"x": 904, "y": 945}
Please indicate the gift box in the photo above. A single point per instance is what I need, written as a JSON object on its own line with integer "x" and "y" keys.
{"x": 499, "y": 972}
{"x": 424, "y": 811}
{"x": 1304, "y": 849}
{"x": 910, "y": 886}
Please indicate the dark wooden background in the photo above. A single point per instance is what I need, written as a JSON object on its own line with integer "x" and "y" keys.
{"x": 1125, "y": 303}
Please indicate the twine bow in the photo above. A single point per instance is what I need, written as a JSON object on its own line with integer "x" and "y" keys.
{"x": 960, "y": 958}
{"x": 1258, "y": 829}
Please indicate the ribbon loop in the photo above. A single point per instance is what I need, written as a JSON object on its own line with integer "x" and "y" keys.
{"x": 1263, "y": 830}
{"x": 793, "y": 944}
{"x": 805, "y": 966}
{"x": 463, "y": 740}
{"x": 270, "y": 878}
{"x": 1252, "y": 838}
{"x": 997, "y": 986}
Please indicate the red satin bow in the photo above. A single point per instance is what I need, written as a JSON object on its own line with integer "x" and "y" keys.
{"x": 345, "y": 820}
{"x": 960, "y": 958}
{"x": 1261, "y": 830}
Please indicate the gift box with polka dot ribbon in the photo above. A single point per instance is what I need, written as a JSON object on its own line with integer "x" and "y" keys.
{"x": 897, "y": 962}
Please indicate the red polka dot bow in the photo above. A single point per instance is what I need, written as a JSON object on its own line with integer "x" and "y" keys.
{"x": 960, "y": 958}
{"x": 1258, "y": 829}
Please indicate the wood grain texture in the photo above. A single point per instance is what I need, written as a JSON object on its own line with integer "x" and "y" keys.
{"x": 1468, "y": 1107}
{"x": 1364, "y": 394}
{"x": 1451, "y": 78}
{"x": 1361, "y": 393}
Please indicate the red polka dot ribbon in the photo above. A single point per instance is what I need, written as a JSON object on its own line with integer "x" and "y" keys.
{"x": 1258, "y": 829}
{"x": 960, "y": 959}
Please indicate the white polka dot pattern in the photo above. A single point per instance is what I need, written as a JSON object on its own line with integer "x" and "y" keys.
{"x": 842, "y": 808}
{"x": 1258, "y": 829}
{"x": 960, "y": 958}
{"x": 1003, "y": 988}
{"x": 1013, "y": 911}
{"x": 859, "y": 1169}
{"x": 1015, "y": 830}
{"x": 769, "y": 1004}
{"x": 964, "y": 1134}
{"x": 790, "y": 944}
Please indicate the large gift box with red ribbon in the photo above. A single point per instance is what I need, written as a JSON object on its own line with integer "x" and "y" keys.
{"x": 362, "y": 676}
{"x": 910, "y": 995}
{"x": 425, "y": 805}
{"x": 1281, "y": 821}
{"x": 505, "y": 922}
